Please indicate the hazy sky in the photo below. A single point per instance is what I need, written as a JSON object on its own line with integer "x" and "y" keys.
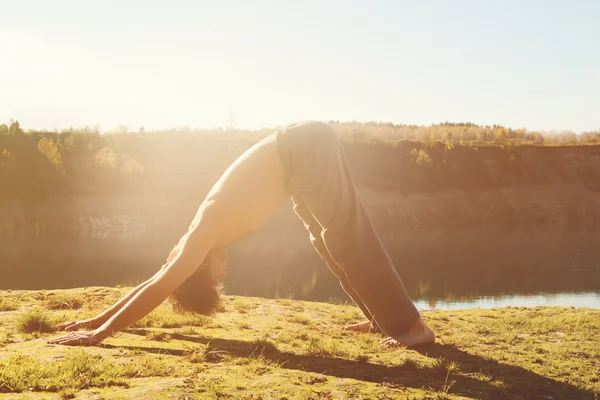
{"x": 532, "y": 64}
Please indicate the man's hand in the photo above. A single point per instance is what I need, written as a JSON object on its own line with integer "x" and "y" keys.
{"x": 89, "y": 324}
{"x": 86, "y": 338}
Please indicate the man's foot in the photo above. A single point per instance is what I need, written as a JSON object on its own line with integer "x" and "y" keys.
{"x": 365, "y": 326}
{"x": 418, "y": 334}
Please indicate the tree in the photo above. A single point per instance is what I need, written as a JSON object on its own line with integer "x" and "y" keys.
{"x": 49, "y": 149}
{"x": 15, "y": 127}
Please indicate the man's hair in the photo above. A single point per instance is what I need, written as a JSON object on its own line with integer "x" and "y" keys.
{"x": 200, "y": 293}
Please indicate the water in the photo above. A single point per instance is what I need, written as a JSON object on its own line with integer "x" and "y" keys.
{"x": 581, "y": 299}
{"x": 442, "y": 268}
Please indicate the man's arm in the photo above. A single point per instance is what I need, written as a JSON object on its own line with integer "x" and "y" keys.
{"x": 102, "y": 318}
{"x": 98, "y": 320}
{"x": 194, "y": 250}
{"x": 195, "y": 246}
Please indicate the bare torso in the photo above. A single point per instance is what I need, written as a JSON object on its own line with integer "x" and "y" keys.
{"x": 247, "y": 195}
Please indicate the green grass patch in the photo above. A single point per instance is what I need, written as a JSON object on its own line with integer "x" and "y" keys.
{"x": 8, "y": 305}
{"x": 64, "y": 301}
{"x": 6, "y": 338}
{"x": 297, "y": 350}
{"x": 35, "y": 320}
{"x": 158, "y": 336}
{"x": 165, "y": 317}
{"x": 78, "y": 370}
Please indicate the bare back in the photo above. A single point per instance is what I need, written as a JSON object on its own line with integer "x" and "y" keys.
{"x": 247, "y": 195}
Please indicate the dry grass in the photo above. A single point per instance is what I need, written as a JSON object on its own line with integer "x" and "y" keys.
{"x": 520, "y": 353}
{"x": 64, "y": 301}
{"x": 8, "y": 305}
{"x": 35, "y": 320}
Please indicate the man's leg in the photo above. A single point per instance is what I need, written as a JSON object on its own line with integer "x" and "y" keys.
{"x": 315, "y": 230}
{"x": 320, "y": 176}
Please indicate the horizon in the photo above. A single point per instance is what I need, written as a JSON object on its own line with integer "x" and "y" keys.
{"x": 524, "y": 65}
{"x": 185, "y": 128}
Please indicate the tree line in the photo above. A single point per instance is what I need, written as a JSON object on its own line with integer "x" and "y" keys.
{"x": 35, "y": 164}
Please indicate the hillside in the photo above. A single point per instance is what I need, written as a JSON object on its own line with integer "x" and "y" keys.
{"x": 60, "y": 181}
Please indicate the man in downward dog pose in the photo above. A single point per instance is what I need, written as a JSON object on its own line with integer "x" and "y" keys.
{"x": 304, "y": 161}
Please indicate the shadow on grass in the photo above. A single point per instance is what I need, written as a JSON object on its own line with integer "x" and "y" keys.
{"x": 505, "y": 381}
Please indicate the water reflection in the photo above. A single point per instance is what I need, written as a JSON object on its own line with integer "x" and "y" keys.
{"x": 446, "y": 267}
{"x": 581, "y": 299}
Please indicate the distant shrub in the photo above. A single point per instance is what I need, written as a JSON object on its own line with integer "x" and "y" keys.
{"x": 47, "y": 147}
{"x": 106, "y": 158}
{"x": 421, "y": 156}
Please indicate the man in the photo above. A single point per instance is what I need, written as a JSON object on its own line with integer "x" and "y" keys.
{"x": 305, "y": 161}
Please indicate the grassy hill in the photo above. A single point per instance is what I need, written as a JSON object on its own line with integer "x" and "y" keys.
{"x": 284, "y": 348}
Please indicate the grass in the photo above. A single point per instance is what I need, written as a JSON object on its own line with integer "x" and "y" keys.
{"x": 507, "y": 353}
{"x": 6, "y": 338}
{"x": 64, "y": 301}
{"x": 35, "y": 320}
{"x": 77, "y": 370}
{"x": 8, "y": 305}
{"x": 158, "y": 336}
{"x": 166, "y": 317}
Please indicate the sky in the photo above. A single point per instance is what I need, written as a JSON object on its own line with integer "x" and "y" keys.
{"x": 252, "y": 64}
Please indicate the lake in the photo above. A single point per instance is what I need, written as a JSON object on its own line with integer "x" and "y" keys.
{"x": 443, "y": 268}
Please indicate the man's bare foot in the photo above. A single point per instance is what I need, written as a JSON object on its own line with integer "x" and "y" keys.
{"x": 365, "y": 326}
{"x": 418, "y": 334}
